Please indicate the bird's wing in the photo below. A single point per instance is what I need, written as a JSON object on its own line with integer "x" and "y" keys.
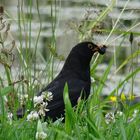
{"x": 75, "y": 88}
{"x": 56, "y": 106}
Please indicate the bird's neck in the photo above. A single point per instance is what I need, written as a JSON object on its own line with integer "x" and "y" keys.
{"x": 78, "y": 65}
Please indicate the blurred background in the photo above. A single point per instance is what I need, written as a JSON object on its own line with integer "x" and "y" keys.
{"x": 52, "y": 27}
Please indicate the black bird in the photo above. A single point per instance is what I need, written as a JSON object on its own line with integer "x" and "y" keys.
{"x": 76, "y": 72}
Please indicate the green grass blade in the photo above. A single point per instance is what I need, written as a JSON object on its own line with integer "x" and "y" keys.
{"x": 69, "y": 113}
{"x": 135, "y": 54}
{"x": 104, "y": 78}
{"x": 122, "y": 130}
{"x": 92, "y": 128}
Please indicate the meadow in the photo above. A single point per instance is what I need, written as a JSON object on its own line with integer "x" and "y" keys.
{"x": 114, "y": 116}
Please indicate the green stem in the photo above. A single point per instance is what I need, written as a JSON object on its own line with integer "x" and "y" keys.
{"x": 132, "y": 69}
{"x": 53, "y": 15}
{"x": 8, "y": 75}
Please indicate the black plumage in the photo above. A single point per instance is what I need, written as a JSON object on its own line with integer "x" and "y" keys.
{"x": 76, "y": 72}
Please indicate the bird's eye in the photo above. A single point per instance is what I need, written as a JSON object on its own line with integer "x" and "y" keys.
{"x": 90, "y": 46}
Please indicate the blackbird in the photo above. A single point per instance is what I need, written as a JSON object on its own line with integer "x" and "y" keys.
{"x": 76, "y": 73}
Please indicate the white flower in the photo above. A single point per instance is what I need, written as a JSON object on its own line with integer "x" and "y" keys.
{"x": 47, "y": 95}
{"x": 41, "y": 135}
{"x": 109, "y": 117}
{"x": 38, "y": 100}
{"x": 10, "y": 117}
{"x": 32, "y": 116}
{"x": 119, "y": 113}
{"x": 43, "y": 109}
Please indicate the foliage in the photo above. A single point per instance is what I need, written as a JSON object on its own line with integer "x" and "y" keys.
{"x": 113, "y": 117}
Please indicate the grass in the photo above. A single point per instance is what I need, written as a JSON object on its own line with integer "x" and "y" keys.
{"x": 114, "y": 117}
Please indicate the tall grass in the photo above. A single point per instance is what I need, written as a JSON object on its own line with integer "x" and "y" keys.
{"x": 95, "y": 118}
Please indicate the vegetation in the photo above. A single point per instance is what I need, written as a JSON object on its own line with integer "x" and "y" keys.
{"x": 113, "y": 117}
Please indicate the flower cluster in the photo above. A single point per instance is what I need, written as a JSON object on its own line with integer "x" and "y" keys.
{"x": 111, "y": 117}
{"x": 40, "y": 135}
{"x": 41, "y": 102}
{"x": 32, "y": 116}
{"x": 40, "y": 105}
{"x": 122, "y": 98}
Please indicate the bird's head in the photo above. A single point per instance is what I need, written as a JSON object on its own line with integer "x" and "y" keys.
{"x": 81, "y": 55}
{"x": 89, "y": 48}
{"x": 97, "y": 48}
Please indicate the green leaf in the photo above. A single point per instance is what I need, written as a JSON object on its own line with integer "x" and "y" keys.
{"x": 92, "y": 128}
{"x": 94, "y": 99}
{"x": 6, "y": 90}
{"x": 39, "y": 126}
{"x": 122, "y": 131}
{"x": 69, "y": 113}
